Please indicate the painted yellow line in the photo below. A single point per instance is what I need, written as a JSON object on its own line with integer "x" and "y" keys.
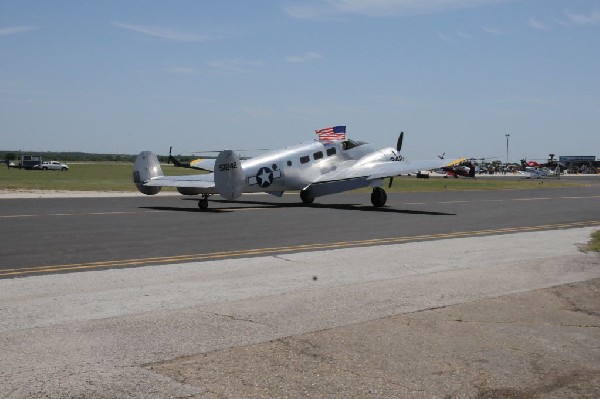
{"x": 275, "y": 250}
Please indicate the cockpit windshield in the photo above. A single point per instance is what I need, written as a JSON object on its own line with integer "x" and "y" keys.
{"x": 348, "y": 144}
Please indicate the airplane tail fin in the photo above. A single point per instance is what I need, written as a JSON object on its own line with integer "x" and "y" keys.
{"x": 229, "y": 176}
{"x": 145, "y": 168}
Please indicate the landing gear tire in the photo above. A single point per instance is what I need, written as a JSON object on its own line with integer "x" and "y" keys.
{"x": 203, "y": 204}
{"x": 306, "y": 198}
{"x": 378, "y": 197}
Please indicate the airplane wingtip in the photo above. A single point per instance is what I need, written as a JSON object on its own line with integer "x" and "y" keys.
{"x": 456, "y": 162}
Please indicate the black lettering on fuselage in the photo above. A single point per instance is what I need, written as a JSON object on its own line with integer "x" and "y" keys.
{"x": 227, "y": 166}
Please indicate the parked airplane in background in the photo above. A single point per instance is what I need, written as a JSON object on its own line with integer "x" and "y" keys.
{"x": 533, "y": 172}
{"x": 328, "y": 165}
{"x": 532, "y": 169}
{"x": 465, "y": 169}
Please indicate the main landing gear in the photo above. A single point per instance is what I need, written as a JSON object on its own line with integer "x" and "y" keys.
{"x": 378, "y": 197}
{"x": 203, "y": 203}
{"x": 306, "y": 198}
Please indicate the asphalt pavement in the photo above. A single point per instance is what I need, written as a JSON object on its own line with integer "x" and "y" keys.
{"x": 44, "y": 235}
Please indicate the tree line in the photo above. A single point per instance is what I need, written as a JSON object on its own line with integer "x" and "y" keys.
{"x": 81, "y": 156}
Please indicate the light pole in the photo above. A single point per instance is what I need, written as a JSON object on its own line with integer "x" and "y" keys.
{"x": 507, "y": 137}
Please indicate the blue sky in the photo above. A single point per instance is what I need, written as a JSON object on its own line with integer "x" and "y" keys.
{"x": 455, "y": 75}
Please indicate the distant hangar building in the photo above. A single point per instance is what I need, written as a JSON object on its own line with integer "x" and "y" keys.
{"x": 578, "y": 163}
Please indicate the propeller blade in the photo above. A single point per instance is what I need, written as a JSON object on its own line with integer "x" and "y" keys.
{"x": 399, "y": 143}
{"x": 391, "y": 181}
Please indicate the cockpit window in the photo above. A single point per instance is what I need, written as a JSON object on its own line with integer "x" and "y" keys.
{"x": 348, "y": 144}
{"x": 304, "y": 159}
{"x": 318, "y": 155}
{"x": 331, "y": 151}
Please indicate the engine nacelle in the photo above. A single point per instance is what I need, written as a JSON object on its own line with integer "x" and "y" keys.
{"x": 189, "y": 190}
{"x": 383, "y": 155}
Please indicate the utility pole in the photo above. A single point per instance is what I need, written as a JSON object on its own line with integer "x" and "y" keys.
{"x": 507, "y": 137}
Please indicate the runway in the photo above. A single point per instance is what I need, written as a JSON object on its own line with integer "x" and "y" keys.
{"x": 46, "y": 235}
{"x": 455, "y": 294}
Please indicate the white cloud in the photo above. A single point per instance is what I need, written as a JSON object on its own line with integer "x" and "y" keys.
{"x": 463, "y": 35}
{"x": 232, "y": 66}
{"x": 534, "y": 23}
{"x": 493, "y": 31}
{"x": 331, "y": 8}
{"x": 583, "y": 19}
{"x": 163, "y": 33}
{"x": 14, "y": 30}
{"x": 303, "y": 58}
{"x": 315, "y": 12}
{"x": 444, "y": 37}
{"x": 182, "y": 70}
{"x": 227, "y": 67}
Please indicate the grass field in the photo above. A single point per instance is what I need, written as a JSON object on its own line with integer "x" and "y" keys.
{"x": 105, "y": 176}
{"x": 594, "y": 244}
{"x": 110, "y": 176}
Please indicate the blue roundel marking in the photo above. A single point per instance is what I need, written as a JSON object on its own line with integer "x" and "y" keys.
{"x": 264, "y": 177}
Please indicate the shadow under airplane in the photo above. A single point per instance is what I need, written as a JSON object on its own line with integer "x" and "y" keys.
{"x": 267, "y": 205}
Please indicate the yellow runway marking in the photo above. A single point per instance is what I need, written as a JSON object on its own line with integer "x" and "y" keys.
{"x": 269, "y": 251}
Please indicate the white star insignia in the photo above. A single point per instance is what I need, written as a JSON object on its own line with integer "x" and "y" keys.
{"x": 264, "y": 178}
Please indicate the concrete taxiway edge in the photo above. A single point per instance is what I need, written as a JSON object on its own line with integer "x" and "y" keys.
{"x": 117, "y": 333}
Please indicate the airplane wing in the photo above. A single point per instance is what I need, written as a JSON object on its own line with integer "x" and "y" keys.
{"x": 380, "y": 170}
{"x": 191, "y": 181}
{"x": 203, "y": 164}
{"x": 356, "y": 175}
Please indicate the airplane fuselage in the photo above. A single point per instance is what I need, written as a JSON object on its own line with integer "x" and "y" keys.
{"x": 295, "y": 167}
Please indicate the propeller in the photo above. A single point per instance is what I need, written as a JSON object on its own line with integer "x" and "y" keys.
{"x": 399, "y": 143}
{"x": 398, "y": 148}
{"x": 175, "y": 162}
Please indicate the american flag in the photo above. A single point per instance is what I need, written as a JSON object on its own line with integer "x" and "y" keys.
{"x": 332, "y": 133}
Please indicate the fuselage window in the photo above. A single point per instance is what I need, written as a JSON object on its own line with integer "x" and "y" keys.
{"x": 331, "y": 151}
{"x": 304, "y": 159}
{"x": 289, "y": 163}
{"x": 318, "y": 155}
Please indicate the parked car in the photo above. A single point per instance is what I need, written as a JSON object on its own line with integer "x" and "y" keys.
{"x": 52, "y": 165}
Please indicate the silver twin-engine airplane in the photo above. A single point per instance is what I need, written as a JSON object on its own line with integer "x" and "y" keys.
{"x": 328, "y": 165}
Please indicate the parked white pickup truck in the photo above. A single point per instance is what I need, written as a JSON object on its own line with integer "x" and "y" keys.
{"x": 51, "y": 165}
